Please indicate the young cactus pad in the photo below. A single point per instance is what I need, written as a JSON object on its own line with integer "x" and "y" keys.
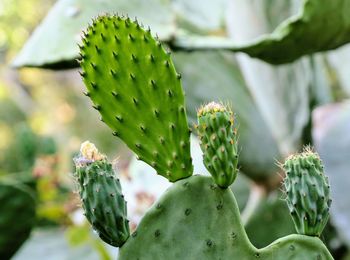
{"x": 101, "y": 195}
{"x": 133, "y": 84}
{"x": 218, "y": 142}
{"x": 307, "y": 190}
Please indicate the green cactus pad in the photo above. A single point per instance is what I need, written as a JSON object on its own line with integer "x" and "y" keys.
{"x": 308, "y": 192}
{"x": 102, "y": 199}
{"x": 133, "y": 84}
{"x": 218, "y": 142}
{"x": 17, "y": 217}
{"x": 207, "y": 227}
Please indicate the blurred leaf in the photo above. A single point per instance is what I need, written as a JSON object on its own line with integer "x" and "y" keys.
{"x": 283, "y": 45}
{"x": 201, "y": 16}
{"x": 54, "y": 42}
{"x": 282, "y": 94}
{"x": 214, "y": 76}
{"x": 271, "y": 220}
{"x": 331, "y": 128}
{"x": 340, "y": 62}
{"x": 328, "y": 22}
{"x": 17, "y": 207}
{"x": 10, "y": 113}
{"x": 78, "y": 235}
{"x": 52, "y": 244}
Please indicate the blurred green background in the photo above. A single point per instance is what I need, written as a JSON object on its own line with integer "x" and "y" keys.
{"x": 44, "y": 117}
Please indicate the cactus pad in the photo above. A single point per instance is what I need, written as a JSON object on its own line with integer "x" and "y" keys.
{"x": 101, "y": 194}
{"x": 218, "y": 142}
{"x": 207, "y": 227}
{"x": 132, "y": 82}
{"x": 307, "y": 190}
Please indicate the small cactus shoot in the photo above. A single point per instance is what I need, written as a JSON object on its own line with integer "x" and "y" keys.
{"x": 218, "y": 137}
{"x": 307, "y": 191}
{"x": 101, "y": 195}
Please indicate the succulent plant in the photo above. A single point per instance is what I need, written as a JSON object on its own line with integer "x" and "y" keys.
{"x": 133, "y": 84}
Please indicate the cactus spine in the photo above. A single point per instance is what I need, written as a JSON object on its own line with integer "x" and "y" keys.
{"x": 218, "y": 142}
{"x": 307, "y": 190}
{"x": 101, "y": 195}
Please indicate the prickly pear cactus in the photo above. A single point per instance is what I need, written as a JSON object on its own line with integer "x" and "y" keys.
{"x": 218, "y": 142}
{"x": 307, "y": 192}
{"x": 133, "y": 84}
{"x": 101, "y": 195}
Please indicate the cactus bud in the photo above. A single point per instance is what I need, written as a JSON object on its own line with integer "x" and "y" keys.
{"x": 307, "y": 191}
{"x": 101, "y": 195}
{"x": 218, "y": 142}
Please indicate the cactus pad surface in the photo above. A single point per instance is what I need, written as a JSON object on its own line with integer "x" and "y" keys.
{"x": 207, "y": 227}
{"x": 132, "y": 82}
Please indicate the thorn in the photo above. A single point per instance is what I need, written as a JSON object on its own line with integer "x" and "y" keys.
{"x": 127, "y": 24}
{"x": 131, "y": 37}
{"x": 170, "y": 93}
{"x": 116, "y": 39}
{"x": 97, "y": 49}
{"x": 93, "y": 65}
{"x": 113, "y": 73}
{"x": 145, "y": 38}
{"x": 134, "y": 100}
{"x": 161, "y": 140}
{"x": 103, "y": 37}
{"x": 82, "y": 74}
{"x": 97, "y": 107}
{"x": 152, "y": 58}
{"x": 119, "y": 118}
{"x": 115, "y": 55}
{"x": 167, "y": 64}
{"x": 93, "y": 85}
{"x": 116, "y": 26}
{"x": 178, "y": 76}
{"x": 115, "y": 94}
{"x": 132, "y": 76}
{"x": 115, "y": 133}
{"x": 156, "y": 112}
{"x": 87, "y": 93}
{"x": 133, "y": 57}
{"x": 138, "y": 145}
{"x": 153, "y": 83}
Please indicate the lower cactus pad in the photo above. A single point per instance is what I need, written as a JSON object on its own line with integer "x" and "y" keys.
{"x": 195, "y": 219}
